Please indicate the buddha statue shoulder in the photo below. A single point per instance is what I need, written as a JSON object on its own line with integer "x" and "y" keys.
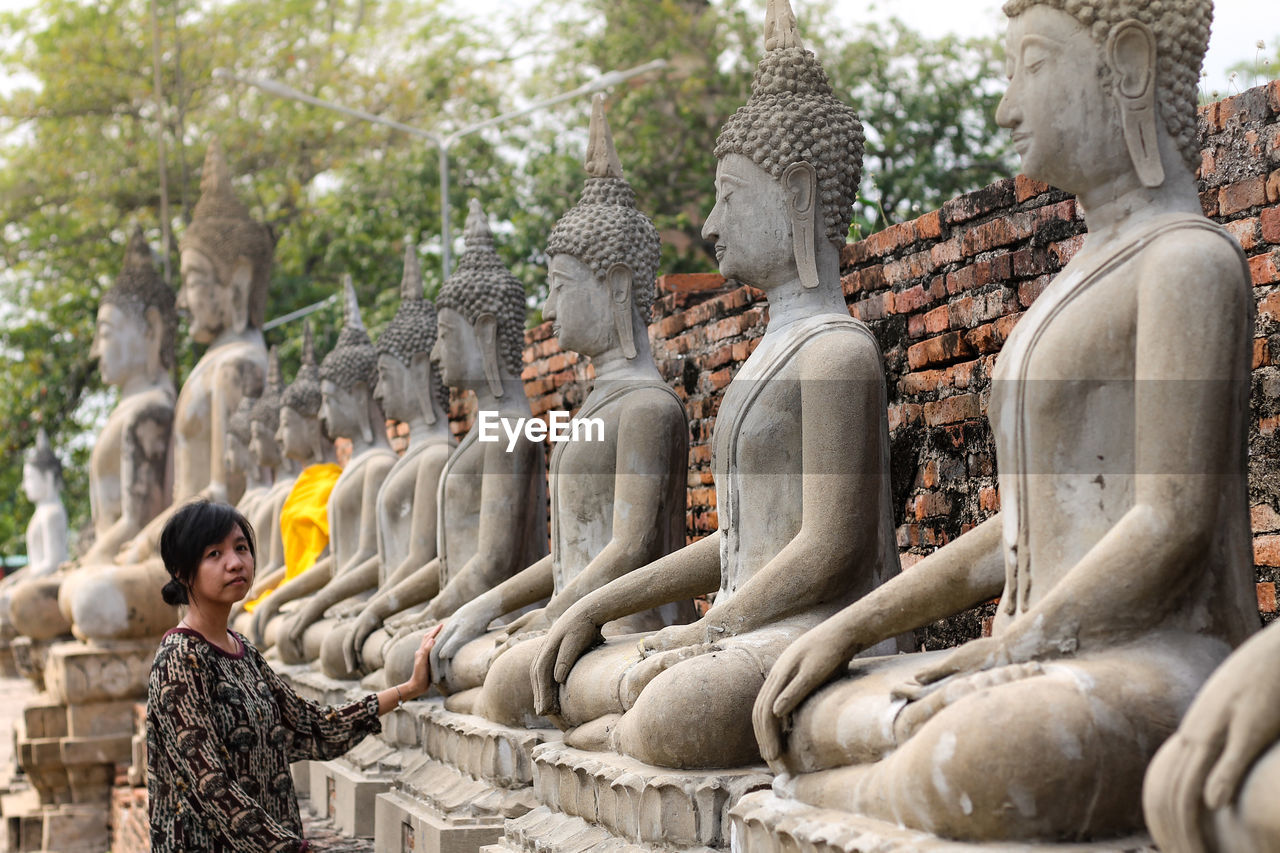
{"x": 1121, "y": 554}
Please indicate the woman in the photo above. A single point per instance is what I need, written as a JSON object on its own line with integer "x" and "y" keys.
{"x": 222, "y": 728}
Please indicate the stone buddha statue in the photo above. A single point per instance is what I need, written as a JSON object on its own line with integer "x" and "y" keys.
{"x": 134, "y": 345}
{"x": 411, "y": 392}
{"x": 493, "y": 504}
{"x": 46, "y": 535}
{"x": 616, "y": 504}
{"x": 1122, "y": 551}
{"x": 1212, "y": 787}
{"x": 805, "y": 520}
{"x": 264, "y": 423}
{"x": 349, "y": 409}
{"x": 226, "y": 266}
{"x": 287, "y": 423}
{"x": 47, "y": 530}
{"x": 241, "y": 460}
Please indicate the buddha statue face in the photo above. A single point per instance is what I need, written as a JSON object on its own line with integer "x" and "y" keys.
{"x": 125, "y": 343}
{"x": 263, "y": 445}
{"x": 211, "y": 305}
{"x": 236, "y": 453}
{"x": 457, "y": 351}
{"x": 1065, "y": 125}
{"x": 581, "y": 306}
{"x": 340, "y": 408}
{"x": 397, "y": 389}
{"x": 298, "y": 435}
{"x": 751, "y": 223}
{"x": 39, "y": 484}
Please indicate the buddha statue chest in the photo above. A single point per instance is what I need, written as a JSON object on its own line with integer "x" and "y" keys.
{"x": 461, "y": 487}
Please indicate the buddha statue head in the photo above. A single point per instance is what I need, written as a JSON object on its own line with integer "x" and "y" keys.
{"x": 41, "y": 471}
{"x": 409, "y": 385}
{"x": 481, "y": 310}
{"x": 137, "y": 321}
{"x": 1105, "y": 90}
{"x": 789, "y": 164}
{"x": 238, "y": 437}
{"x": 226, "y": 258}
{"x": 301, "y": 435}
{"x": 348, "y": 377}
{"x": 264, "y": 417}
{"x": 603, "y": 256}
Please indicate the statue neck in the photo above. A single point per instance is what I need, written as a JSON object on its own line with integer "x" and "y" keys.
{"x": 421, "y": 432}
{"x": 257, "y": 477}
{"x": 612, "y": 365}
{"x": 792, "y": 301}
{"x": 513, "y": 398}
{"x": 248, "y": 335}
{"x": 377, "y": 429}
{"x": 288, "y": 468}
{"x": 1114, "y": 204}
{"x": 140, "y": 383}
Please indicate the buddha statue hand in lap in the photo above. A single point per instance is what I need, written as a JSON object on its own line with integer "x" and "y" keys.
{"x": 1122, "y": 550}
{"x": 349, "y": 409}
{"x": 800, "y": 455}
{"x": 616, "y": 504}
{"x": 410, "y": 392}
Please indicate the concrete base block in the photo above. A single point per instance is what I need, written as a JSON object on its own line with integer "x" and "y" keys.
{"x": 762, "y": 822}
{"x": 301, "y": 772}
{"x": 403, "y": 824}
{"x": 636, "y": 803}
{"x": 78, "y": 673}
{"x": 351, "y": 804}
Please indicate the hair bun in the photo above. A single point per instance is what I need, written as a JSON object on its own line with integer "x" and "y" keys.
{"x": 174, "y": 593}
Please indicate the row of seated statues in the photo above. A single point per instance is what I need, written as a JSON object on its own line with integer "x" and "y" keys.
{"x": 1121, "y": 556}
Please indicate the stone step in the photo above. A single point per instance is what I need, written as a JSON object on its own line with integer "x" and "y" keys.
{"x": 762, "y": 822}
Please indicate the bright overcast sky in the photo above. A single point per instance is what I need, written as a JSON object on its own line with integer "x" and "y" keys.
{"x": 1238, "y": 24}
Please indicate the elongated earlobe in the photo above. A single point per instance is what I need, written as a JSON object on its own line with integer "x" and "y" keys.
{"x": 1131, "y": 52}
{"x": 620, "y": 279}
{"x": 425, "y": 387}
{"x": 800, "y": 182}
{"x": 487, "y": 334}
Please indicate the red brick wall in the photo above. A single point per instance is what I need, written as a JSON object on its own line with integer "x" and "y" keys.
{"x": 941, "y": 294}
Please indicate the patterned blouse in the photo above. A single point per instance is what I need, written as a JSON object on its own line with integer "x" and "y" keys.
{"x": 222, "y": 730}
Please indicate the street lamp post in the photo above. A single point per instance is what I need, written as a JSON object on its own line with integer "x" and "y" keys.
{"x": 443, "y": 142}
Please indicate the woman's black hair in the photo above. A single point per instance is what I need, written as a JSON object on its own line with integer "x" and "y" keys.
{"x": 187, "y": 534}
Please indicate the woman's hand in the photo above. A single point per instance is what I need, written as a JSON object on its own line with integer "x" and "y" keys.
{"x": 420, "y": 681}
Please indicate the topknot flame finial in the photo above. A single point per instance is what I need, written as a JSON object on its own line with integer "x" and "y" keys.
{"x": 43, "y": 445}
{"x": 274, "y": 380}
{"x": 215, "y": 178}
{"x": 411, "y": 283}
{"x": 137, "y": 256}
{"x": 780, "y": 26}
{"x": 350, "y": 305}
{"x": 602, "y": 156}
{"x": 308, "y": 345}
{"x": 477, "y": 233}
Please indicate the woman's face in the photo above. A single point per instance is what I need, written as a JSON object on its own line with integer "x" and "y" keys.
{"x": 225, "y": 572}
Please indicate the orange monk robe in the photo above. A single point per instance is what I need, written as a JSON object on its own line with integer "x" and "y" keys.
{"x": 304, "y": 522}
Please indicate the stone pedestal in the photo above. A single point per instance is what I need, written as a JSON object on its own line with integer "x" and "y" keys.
{"x": 466, "y": 778}
{"x": 108, "y": 671}
{"x": 29, "y": 658}
{"x": 765, "y": 823}
{"x": 594, "y": 801}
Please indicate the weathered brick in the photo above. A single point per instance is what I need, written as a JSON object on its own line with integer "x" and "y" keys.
{"x": 1273, "y": 95}
{"x": 904, "y": 413}
{"x": 943, "y": 349}
{"x": 1263, "y": 269}
{"x": 1261, "y": 353}
{"x": 972, "y": 205}
{"x": 866, "y": 280}
{"x": 1245, "y": 231}
{"x": 1031, "y": 262}
{"x": 1263, "y": 518}
{"x": 1209, "y": 202}
{"x": 1269, "y": 222}
{"x": 910, "y": 300}
{"x": 1208, "y": 165}
{"x": 1242, "y": 195}
{"x": 995, "y": 233}
{"x": 952, "y": 410}
{"x": 1273, "y": 181}
{"x": 937, "y": 320}
{"x": 1266, "y": 550}
{"x": 932, "y": 505}
{"x": 1267, "y": 597}
{"x": 989, "y": 499}
{"x": 1026, "y": 188}
{"x": 720, "y": 378}
{"x": 929, "y": 226}
{"x": 949, "y": 252}
{"x": 1029, "y": 290}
